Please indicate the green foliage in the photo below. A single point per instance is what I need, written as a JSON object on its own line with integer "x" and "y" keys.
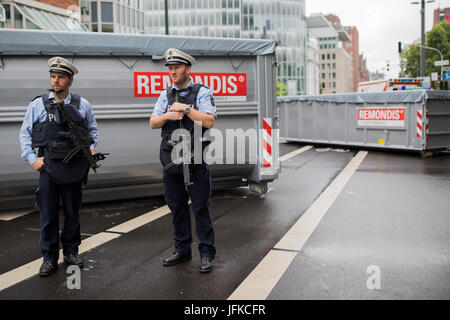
{"x": 281, "y": 89}
{"x": 439, "y": 38}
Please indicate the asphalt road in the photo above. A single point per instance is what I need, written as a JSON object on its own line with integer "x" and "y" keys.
{"x": 385, "y": 236}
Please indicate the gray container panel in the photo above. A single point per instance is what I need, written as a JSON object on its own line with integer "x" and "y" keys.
{"x": 107, "y": 63}
{"x": 339, "y": 115}
{"x": 102, "y": 80}
{"x": 439, "y": 124}
{"x": 333, "y": 119}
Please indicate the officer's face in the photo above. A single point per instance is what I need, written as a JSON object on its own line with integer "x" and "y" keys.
{"x": 60, "y": 81}
{"x": 179, "y": 73}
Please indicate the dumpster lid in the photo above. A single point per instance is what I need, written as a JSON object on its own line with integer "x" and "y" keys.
{"x": 39, "y": 42}
{"x": 412, "y": 96}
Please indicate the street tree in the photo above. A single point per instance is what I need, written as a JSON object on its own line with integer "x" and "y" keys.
{"x": 439, "y": 38}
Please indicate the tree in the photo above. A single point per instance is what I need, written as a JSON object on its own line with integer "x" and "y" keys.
{"x": 281, "y": 89}
{"x": 439, "y": 38}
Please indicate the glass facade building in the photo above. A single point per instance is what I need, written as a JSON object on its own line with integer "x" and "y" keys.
{"x": 283, "y": 21}
{"x": 119, "y": 16}
{"x": 36, "y": 16}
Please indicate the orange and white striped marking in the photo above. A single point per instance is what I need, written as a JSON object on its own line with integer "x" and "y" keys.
{"x": 419, "y": 124}
{"x": 267, "y": 143}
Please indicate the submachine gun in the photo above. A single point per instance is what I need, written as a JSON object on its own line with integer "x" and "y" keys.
{"x": 79, "y": 137}
{"x": 185, "y": 159}
{"x": 184, "y": 141}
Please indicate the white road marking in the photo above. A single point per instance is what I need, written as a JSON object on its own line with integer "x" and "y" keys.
{"x": 264, "y": 277}
{"x": 28, "y": 270}
{"x": 262, "y": 280}
{"x": 295, "y": 153}
{"x": 10, "y": 215}
{"x": 141, "y": 220}
{"x": 24, "y": 272}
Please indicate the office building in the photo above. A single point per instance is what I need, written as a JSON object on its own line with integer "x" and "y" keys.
{"x": 119, "y": 16}
{"x": 253, "y": 19}
{"x": 360, "y": 72}
{"x": 313, "y": 67}
{"x": 336, "y": 64}
{"x": 41, "y": 15}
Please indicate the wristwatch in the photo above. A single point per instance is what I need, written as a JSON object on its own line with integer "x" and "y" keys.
{"x": 188, "y": 109}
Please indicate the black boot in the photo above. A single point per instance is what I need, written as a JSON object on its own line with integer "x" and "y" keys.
{"x": 73, "y": 260}
{"x": 48, "y": 268}
{"x": 206, "y": 265}
{"x": 175, "y": 259}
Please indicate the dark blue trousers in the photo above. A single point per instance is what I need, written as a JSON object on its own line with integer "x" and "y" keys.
{"x": 177, "y": 199}
{"x": 48, "y": 196}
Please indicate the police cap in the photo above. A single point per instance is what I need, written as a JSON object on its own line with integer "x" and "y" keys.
{"x": 58, "y": 64}
{"x": 175, "y": 56}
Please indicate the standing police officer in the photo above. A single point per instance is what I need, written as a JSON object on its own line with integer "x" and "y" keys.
{"x": 41, "y": 129}
{"x": 181, "y": 105}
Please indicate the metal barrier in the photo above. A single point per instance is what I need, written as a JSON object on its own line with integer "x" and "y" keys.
{"x": 122, "y": 76}
{"x": 416, "y": 120}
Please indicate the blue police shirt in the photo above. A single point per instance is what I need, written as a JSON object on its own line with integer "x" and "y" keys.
{"x": 204, "y": 101}
{"x": 36, "y": 113}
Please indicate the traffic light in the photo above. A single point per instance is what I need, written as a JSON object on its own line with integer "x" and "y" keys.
{"x": 399, "y": 47}
{"x": 388, "y": 67}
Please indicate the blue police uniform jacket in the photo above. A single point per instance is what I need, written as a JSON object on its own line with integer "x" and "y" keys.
{"x": 36, "y": 113}
{"x": 205, "y": 101}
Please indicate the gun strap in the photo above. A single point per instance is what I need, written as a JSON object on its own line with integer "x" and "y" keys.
{"x": 60, "y": 104}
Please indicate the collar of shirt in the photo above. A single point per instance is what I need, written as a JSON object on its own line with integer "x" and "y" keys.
{"x": 191, "y": 83}
{"x": 66, "y": 100}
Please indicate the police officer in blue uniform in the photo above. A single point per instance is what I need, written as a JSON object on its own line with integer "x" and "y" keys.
{"x": 182, "y": 104}
{"x": 58, "y": 181}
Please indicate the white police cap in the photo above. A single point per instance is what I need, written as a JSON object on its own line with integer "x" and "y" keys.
{"x": 175, "y": 56}
{"x": 59, "y": 64}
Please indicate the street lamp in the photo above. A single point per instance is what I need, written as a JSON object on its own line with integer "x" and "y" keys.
{"x": 434, "y": 49}
{"x": 422, "y": 52}
{"x": 166, "y": 15}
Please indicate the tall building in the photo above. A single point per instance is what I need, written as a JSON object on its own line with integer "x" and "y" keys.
{"x": 283, "y": 21}
{"x": 119, "y": 16}
{"x": 363, "y": 72}
{"x": 351, "y": 46}
{"x": 336, "y": 64}
{"x": 41, "y": 15}
{"x": 313, "y": 67}
{"x": 441, "y": 15}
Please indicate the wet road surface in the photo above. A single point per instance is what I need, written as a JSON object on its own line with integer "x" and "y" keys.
{"x": 385, "y": 236}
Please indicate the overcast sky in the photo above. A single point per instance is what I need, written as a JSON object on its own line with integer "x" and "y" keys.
{"x": 381, "y": 24}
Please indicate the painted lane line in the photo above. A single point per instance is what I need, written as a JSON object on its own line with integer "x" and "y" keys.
{"x": 28, "y": 270}
{"x": 264, "y": 277}
{"x": 295, "y": 153}
{"x": 261, "y": 281}
{"x": 11, "y": 215}
{"x": 24, "y": 272}
{"x": 141, "y": 220}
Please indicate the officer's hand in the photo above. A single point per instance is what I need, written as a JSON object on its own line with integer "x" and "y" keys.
{"x": 38, "y": 165}
{"x": 178, "y": 107}
{"x": 93, "y": 153}
{"x": 174, "y": 116}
